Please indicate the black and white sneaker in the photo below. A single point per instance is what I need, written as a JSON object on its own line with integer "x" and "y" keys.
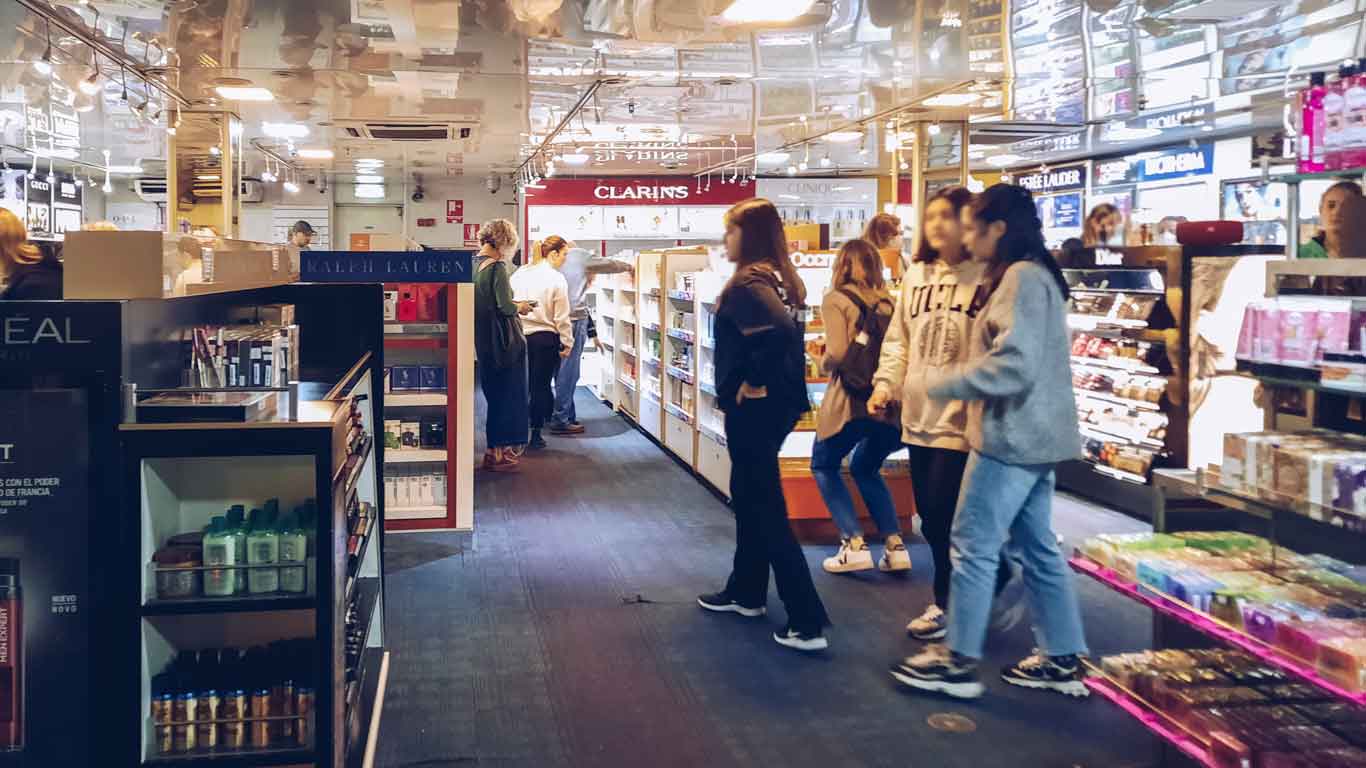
{"x": 1055, "y": 673}
{"x": 802, "y": 641}
{"x": 723, "y": 603}
{"x": 939, "y": 670}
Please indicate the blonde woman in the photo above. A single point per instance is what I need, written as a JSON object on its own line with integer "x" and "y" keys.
{"x": 28, "y": 274}
{"x": 500, "y": 346}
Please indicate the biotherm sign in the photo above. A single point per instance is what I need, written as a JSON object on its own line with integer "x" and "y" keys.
{"x": 660, "y": 190}
{"x": 1175, "y": 163}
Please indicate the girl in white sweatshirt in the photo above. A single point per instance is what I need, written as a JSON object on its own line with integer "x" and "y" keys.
{"x": 941, "y": 296}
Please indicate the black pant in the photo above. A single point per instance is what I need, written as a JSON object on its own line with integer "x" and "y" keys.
{"x": 936, "y": 476}
{"x": 543, "y": 361}
{"x": 763, "y": 537}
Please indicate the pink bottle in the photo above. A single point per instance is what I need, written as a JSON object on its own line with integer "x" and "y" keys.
{"x": 1311, "y": 125}
{"x": 1354, "y": 120}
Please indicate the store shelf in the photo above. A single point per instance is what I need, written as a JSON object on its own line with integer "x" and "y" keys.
{"x": 653, "y": 293}
{"x": 601, "y": 342}
{"x": 628, "y": 383}
{"x": 1355, "y": 174}
{"x": 414, "y": 399}
{"x": 370, "y": 703}
{"x": 1116, "y": 363}
{"x": 1266, "y": 508}
{"x": 653, "y": 362}
{"x": 680, "y": 374}
{"x": 367, "y": 445}
{"x": 1118, "y": 474}
{"x": 1160, "y": 726}
{"x": 415, "y": 329}
{"x": 1299, "y": 377}
{"x": 628, "y": 350}
{"x": 713, "y": 434}
{"x": 817, "y": 379}
{"x": 1175, "y": 609}
{"x": 367, "y": 593}
{"x": 681, "y": 335}
{"x": 681, "y": 295}
{"x": 414, "y": 513}
{"x": 234, "y": 604}
{"x": 652, "y": 327}
{"x": 414, "y": 456}
{"x": 679, "y": 412}
{"x": 1141, "y": 405}
{"x": 244, "y": 759}
{"x": 1092, "y": 431}
{"x": 707, "y": 387}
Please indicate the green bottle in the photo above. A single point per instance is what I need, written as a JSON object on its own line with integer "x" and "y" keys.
{"x": 263, "y": 548}
{"x": 293, "y": 549}
{"x": 237, "y": 528}
{"x": 219, "y": 550}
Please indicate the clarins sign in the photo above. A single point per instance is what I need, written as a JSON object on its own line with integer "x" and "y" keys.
{"x": 658, "y": 190}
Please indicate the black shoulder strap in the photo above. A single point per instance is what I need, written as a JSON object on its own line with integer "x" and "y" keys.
{"x": 858, "y": 302}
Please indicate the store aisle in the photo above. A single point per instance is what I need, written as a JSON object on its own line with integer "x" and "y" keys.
{"x": 566, "y": 634}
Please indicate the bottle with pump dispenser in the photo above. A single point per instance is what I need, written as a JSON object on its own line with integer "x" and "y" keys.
{"x": 1312, "y": 125}
{"x": 219, "y": 549}
{"x": 1354, "y": 119}
{"x": 263, "y": 548}
{"x": 293, "y": 549}
{"x": 237, "y": 530}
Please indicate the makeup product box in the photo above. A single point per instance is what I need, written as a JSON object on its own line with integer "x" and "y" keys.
{"x": 411, "y": 434}
{"x": 432, "y": 378}
{"x": 425, "y": 498}
{"x": 431, "y": 304}
{"x": 390, "y": 302}
{"x": 439, "y": 490}
{"x": 393, "y": 433}
{"x": 407, "y": 303}
{"x": 405, "y": 378}
{"x": 434, "y": 433}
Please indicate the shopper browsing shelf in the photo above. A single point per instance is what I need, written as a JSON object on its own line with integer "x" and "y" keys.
{"x": 28, "y": 273}
{"x": 856, "y": 312}
{"x": 500, "y": 346}
{"x": 941, "y": 295}
{"x": 549, "y": 334}
{"x": 761, "y": 388}
{"x": 1022, "y": 421}
{"x": 579, "y": 268}
{"x": 1328, "y": 243}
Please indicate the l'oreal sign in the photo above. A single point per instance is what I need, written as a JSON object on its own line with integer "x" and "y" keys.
{"x": 1176, "y": 163}
{"x": 1062, "y": 179}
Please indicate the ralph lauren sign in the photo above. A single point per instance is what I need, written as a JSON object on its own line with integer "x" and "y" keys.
{"x": 386, "y": 266}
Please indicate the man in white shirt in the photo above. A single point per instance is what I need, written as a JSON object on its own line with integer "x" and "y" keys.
{"x": 549, "y": 334}
{"x": 579, "y": 268}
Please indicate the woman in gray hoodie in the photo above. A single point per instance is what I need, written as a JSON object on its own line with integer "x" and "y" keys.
{"x": 941, "y": 296}
{"x": 1022, "y": 421}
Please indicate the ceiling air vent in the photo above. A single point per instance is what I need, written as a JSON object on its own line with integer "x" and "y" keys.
{"x": 407, "y": 131}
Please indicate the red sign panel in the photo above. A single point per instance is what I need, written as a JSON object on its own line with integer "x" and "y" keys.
{"x": 471, "y": 233}
{"x": 455, "y": 211}
{"x": 655, "y": 190}
{"x": 426, "y": 222}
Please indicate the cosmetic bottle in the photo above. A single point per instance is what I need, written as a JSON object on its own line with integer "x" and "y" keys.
{"x": 1333, "y": 117}
{"x": 257, "y": 663}
{"x": 207, "y": 701}
{"x": 1312, "y": 125}
{"x": 234, "y": 709}
{"x": 282, "y": 694}
{"x": 263, "y": 548}
{"x": 293, "y": 549}
{"x": 310, "y": 525}
{"x": 1354, "y": 119}
{"x": 219, "y": 550}
{"x": 237, "y": 529}
{"x": 163, "y": 704}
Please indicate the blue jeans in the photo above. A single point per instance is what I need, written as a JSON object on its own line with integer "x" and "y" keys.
{"x": 871, "y": 443}
{"x": 1013, "y": 502}
{"x": 568, "y": 378}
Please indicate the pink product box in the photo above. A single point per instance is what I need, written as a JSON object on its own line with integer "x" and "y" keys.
{"x": 1297, "y": 338}
{"x": 1302, "y": 639}
{"x": 1266, "y": 343}
{"x": 1333, "y": 328}
{"x": 1249, "y": 333}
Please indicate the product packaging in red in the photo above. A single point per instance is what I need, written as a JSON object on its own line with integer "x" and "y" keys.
{"x": 431, "y": 306}
{"x": 1209, "y": 232}
{"x": 407, "y": 302}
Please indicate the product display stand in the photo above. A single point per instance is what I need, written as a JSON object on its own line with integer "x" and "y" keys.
{"x": 1185, "y": 500}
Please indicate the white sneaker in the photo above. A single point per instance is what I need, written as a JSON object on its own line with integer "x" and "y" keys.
{"x": 930, "y": 625}
{"x": 854, "y": 555}
{"x": 894, "y": 557}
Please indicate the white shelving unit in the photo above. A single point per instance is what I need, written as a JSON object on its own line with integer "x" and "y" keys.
{"x": 713, "y": 460}
{"x": 414, "y": 456}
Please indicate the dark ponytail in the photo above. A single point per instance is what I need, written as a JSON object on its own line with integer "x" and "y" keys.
{"x": 1023, "y": 239}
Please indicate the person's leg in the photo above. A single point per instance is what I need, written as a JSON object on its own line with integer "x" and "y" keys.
{"x": 748, "y": 582}
{"x": 993, "y": 495}
{"x": 879, "y": 441}
{"x": 827, "y": 461}
{"x": 936, "y": 475}
{"x": 1047, "y": 579}
{"x": 542, "y": 354}
{"x": 567, "y": 380}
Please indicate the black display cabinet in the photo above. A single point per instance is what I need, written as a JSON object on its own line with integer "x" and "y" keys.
{"x": 95, "y": 496}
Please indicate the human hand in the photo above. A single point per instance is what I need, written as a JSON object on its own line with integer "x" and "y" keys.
{"x": 748, "y": 392}
{"x": 524, "y": 307}
{"x": 565, "y": 352}
{"x": 877, "y": 402}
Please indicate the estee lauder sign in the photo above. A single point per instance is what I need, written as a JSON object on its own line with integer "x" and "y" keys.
{"x": 386, "y": 266}
{"x": 659, "y": 190}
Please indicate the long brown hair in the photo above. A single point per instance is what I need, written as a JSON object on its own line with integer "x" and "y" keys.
{"x": 956, "y": 196}
{"x": 861, "y": 252}
{"x": 763, "y": 242}
{"x": 15, "y": 249}
{"x": 1090, "y": 232}
{"x": 881, "y": 229}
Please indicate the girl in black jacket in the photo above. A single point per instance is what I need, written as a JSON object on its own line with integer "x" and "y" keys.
{"x": 761, "y": 388}
{"x": 29, "y": 274}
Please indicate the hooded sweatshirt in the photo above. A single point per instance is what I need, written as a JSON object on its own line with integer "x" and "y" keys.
{"x": 930, "y": 331}
{"x": 1018, "y": 381}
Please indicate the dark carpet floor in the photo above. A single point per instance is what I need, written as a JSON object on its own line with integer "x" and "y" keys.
{"x": 565, "y": 633}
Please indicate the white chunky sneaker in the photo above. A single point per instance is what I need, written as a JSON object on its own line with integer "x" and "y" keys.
{"x": 854, "y": 555}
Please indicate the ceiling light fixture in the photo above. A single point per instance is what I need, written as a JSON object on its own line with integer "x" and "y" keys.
{"x": 91, "y": 84}
{"x": 289, "y": 185}
{"x": 575, "y": 158}
{"x": 208, "y": 177}
{"x": 284, "y": 130}
{"x": 791, "y": 170}
{"x": 106, "y": 187}
{"x": 844, "y": 137}
{"x": 369, "y": 179}
{"x": 952, "y": 99}
{"x": 244, "y": 93}
{"x": 215, "y": 150}
{"x": 44, "y": 65}
{"x": 315, "y": 154}
{"x": 1001, "y": 161}
{"x": 774, "y": 158}
{"x": 933, "y": 129}
{"x": 132, "y": 168}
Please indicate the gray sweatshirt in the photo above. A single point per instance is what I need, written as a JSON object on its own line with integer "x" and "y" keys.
{"x": 1018, "y": 381}
{"x": 578, "y": 268}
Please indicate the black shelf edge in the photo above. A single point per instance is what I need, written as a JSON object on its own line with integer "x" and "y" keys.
{"x": 245, "y": 759}
{"x": 372, "y": 663}
{"x": 367, "y": 600}
{"x": 249, "y": 604}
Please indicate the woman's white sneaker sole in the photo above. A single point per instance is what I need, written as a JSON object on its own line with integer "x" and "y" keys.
{"x": 832, "y": 566}
{"x": 1074, "y": 688}
{"x": 925, "y": 637}
{"x": 810, "y": 644}
{"x": 894, "y": 565}
{"x": 956, "y": 690}
{"x": 734, "y": 608}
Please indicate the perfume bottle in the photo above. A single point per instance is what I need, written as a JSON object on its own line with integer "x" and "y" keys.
{"x": 1312, "y": 125}
{"x": 1334, "y": 102}
{"x": 263, "y": 548}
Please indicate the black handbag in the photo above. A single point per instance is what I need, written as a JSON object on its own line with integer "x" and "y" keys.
{"x": 508, "y": 340}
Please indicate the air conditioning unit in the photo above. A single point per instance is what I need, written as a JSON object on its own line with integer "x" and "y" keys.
{"x": 150, "y": 190}
{"x": 407, "y": 130}
{"x": 249, "y": 191}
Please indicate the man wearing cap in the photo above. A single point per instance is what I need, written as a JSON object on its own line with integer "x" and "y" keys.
{"x": 579, "y": 267}
{"x": 301, "y": 234}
